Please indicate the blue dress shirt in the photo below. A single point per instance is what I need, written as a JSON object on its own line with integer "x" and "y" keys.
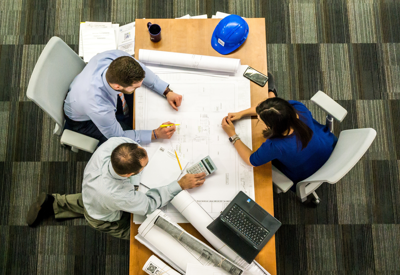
{"x": 285, "y": 154}
{"x": 90, "y": 97}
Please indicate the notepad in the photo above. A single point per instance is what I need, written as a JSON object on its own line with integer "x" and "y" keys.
{"x": 162, "y": 169}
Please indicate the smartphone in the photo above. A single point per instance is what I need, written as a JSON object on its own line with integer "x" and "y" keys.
{"x": 255, "y": 76}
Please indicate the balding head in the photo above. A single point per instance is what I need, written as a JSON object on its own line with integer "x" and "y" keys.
{"x": 128, "y": 158}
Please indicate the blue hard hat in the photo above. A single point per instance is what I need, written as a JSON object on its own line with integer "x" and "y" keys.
{"x": 229, "y": 34}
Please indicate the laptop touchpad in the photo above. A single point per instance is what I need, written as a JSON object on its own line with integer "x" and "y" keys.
{"x": 258, "y": 213}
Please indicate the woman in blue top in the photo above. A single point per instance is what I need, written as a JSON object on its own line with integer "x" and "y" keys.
{"x": 295, "y": 142}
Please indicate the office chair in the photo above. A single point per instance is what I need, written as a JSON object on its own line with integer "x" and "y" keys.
{"x": 351, "y": 146}
{"x": 54, "y": 71}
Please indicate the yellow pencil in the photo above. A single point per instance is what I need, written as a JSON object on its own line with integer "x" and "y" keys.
{"x": 168, "y": 125}
{"x": 178, "y": 160}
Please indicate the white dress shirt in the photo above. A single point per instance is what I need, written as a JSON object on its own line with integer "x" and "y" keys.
{"x": 106, "y": 194}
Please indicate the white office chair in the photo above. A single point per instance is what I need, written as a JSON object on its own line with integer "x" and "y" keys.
{"x": 351, "y": 146}
{"x": 55, "y": 69}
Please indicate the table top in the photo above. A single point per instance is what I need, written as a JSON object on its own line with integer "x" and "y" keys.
{"x": 194, "y": 36}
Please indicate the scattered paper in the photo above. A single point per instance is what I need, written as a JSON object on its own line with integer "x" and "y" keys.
{"x": 126, "y": 38}
{"x": 194, "y": 269}
{"x": 97, "y": 41}
{"x": 154, "y": 266}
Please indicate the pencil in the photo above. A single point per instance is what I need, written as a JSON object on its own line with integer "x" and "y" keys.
{"x": 178, "y": 160}
{"x": 168, "y": 125}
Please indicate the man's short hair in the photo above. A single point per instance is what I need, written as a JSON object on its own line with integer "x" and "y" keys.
{"x": 125, "y": 158}
{"x": 125, "y": 71}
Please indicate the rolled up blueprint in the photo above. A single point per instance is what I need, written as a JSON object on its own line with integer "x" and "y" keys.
{"x": 154, "y": 266}
{"x": 191, "y": 61}
{"x": 192, "y": 243}
{"x": 200, "y": 219}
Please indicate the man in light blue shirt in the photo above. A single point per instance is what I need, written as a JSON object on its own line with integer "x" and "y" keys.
{"x": 108, "y": 190}
{"x": 99, "y": 102}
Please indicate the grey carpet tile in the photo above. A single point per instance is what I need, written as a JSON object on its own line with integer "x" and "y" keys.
{"x": 364, "y": 21}
{"x": 389, "y": 14}
{"x": 10, "y": 67}
{"x": 277, "y": 22}
{"x": 303, "y": 22}
{"x": 367, "y": 61}
{"x": 357, "y": 249}
{"x": 25, "y": 184}
{"x": 336, "y": 71}
{"x": 332, "y": 21}
{"x": 4, "y": 119}
{"x": 376, "y": 114}
{"x": 27, "y": 146}
{"x": 323, "y": 248}
{"x": 386, "y": 239}
{"x": 291, "y": 242}
{"x": 385, "y": 180}
{"x": 353, "y": 200}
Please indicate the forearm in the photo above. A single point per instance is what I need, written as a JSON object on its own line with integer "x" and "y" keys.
{"x": 249, "y": 112}
{"x": 243, "y": 151}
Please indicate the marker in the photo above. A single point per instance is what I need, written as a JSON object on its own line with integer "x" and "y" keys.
{"x": 178, "y": 160}
{"x": 168, "y": 125}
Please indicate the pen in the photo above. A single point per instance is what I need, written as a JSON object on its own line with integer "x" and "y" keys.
{"x": 168, "y": 125}
{"x": 178, "y": 160}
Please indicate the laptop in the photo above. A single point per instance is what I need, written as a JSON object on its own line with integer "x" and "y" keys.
{"x": 244, "y": 226}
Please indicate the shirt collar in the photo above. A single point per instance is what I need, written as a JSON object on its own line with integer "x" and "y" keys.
{"x": 110, "y": 90}
{"x": 113, "y": 174}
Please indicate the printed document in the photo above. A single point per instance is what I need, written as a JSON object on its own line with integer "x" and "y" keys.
{"x": 154, "y": 266}
{"x": 206, "y": 101}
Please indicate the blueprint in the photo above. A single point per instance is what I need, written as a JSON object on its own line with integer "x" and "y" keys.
{"x": 207, "y": 99}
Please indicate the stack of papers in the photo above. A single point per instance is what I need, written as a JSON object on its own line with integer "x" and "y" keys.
{"x": 97, "y": 37}
{"x": 187, "y": 16}
{"x": 221, "y": 15}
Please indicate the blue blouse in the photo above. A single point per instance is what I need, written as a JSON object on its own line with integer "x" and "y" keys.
{"x": 289, "y": 158}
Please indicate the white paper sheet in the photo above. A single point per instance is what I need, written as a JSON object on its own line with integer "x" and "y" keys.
{"x": 206, "y": 100}
{"x": 90, "y": 25}
{"x": 163, "y": 168}
{"x": 126, "y": 38}
{"x": 154, "y": 266}
{"x": 193, "y": 269}
{"x": 97, "y": 41}
{"x": 202, "y": 16}
{"x": 192, "y": 61}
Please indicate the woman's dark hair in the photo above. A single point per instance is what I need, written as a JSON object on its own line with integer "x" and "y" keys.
{"x": 125, "y": 158}
{"x": 125, "y": 71}
{"x": 279, "y": 115}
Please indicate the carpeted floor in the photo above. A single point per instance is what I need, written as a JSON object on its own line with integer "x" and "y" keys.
{"x": 347, "y": 48}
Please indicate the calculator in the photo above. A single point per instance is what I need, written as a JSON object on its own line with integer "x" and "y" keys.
{"x": 205, "y": 165}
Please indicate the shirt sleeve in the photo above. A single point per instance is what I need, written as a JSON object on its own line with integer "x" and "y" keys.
{"x": 108, "y": 125}
{"x": 145, "y": 203}
{"x": 266, "y": 153}
{"x": 152, "y": 81}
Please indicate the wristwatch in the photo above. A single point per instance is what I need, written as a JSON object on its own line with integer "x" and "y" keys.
{"x": 167, "y": 90}
{"x": 234, "y": 138}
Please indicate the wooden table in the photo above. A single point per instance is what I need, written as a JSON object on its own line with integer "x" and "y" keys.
{"x": 194, "y": 36}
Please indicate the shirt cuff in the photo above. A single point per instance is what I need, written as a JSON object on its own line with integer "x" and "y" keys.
{"x": 145, "y": 137}
{"x": 174, "y": 188}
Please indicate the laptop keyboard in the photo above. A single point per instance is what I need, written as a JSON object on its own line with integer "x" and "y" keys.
{"x": 246, "y": 225}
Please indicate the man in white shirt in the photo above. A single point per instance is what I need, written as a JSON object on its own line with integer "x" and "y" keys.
{"x": 108, "y": 190}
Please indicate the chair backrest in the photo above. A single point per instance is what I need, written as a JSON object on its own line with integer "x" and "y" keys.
{"x": 55, "y": 69}
{"x": 351, "y": 146}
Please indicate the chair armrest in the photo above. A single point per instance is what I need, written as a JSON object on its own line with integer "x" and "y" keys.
{"x": 79, "y": 141}
{"x": 329, "y": 105}
{"x": 280, "y": 180}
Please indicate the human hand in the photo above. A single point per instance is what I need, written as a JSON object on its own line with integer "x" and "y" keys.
{"x": 165, "y": 132}
{"x": 235, "y": 116}
{"x": 228, "y": 126}
{"x": 190, "y": 181}
{"x": 174, "y": 100}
